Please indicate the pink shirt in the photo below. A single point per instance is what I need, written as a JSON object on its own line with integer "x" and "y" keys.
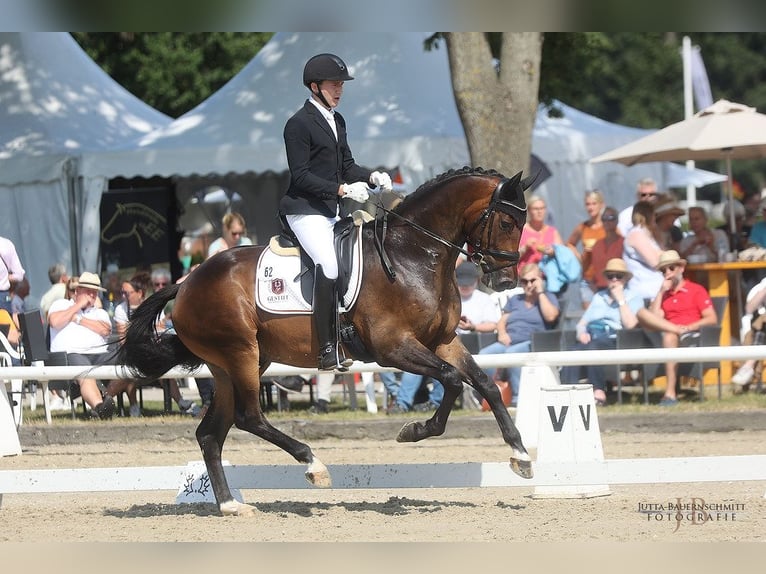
{"x": 545, "y": 236}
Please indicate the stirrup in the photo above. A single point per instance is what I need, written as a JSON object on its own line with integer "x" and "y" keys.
{"x": 330, "y": 359}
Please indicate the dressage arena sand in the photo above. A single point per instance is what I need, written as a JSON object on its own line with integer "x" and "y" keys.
{"x": 411, "y": 515}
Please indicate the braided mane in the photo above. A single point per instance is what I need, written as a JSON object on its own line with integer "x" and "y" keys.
{"x": 440, "y": 179}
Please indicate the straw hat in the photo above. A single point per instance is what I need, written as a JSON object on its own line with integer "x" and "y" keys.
{"x": 617, "y": 265}
{"x": 669, "y": 208}
{"x": 90, "y": 280}
{"x": 670, "y": 257}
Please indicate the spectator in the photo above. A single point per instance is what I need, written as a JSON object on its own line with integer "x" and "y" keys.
{"x": 478, "y": 314}
{"x": 666, "y": 213}
{"x": 79, "y": 328}
{"x": 13, "y": 335}
{"x": 613, "y": 308}
{"x": 758, "y": 232}
{"x": 111, "y": 294}
{"x": 702, "y": 245}
{"x": 160, "y": 278}
{"x": 588, "y": 232}
{"x": 11, "y": 271}
{"x": 646, "y": 190}
{"x": 233, "y": 234}
{"x": 754, "y": 324}
{"x": 533, "y": 310}
{"x": 610, "y": 247}
{"x": 58, "y": 276}
{"x": 537, "y": 237}
{"x": 680, "y": 309}
{"x": 19, "y": 292}
{"x": 641, "y": 251}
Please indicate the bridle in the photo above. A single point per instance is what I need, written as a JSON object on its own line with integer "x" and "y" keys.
{"x": 476, "y": 252}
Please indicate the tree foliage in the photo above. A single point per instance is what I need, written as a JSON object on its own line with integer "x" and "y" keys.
{"x": 171, "y": 71}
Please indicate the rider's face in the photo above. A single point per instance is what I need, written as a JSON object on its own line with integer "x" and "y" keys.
{"x": 332, "y": 91}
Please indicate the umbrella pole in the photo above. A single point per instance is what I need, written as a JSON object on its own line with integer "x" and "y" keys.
{"x": 732, "y": 225}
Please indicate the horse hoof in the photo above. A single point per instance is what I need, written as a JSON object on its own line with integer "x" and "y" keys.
{"x": 408, "y": 433}
{"x": 234, "y": 508}
{"x": 318, "y": 475}
{"x": 522, "y": 467}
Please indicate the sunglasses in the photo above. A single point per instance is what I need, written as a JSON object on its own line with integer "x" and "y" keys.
{"x": 669, "y": 268}
{"x": 158, "y": 285}
{"x": 609, "y": 218}
{"x": 525, "y": 282}
{"x": 613, "y": 276}
{"x": 648, "y": 195}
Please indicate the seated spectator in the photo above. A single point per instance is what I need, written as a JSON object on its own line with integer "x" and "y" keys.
{"x": 533, "y": 310}
{"x": 12, "y": 336}
{"x": 754, "y": 323}
{"x": 478, "y": 314}
{"x": 58, "y": 276}
{"x": 680, "y": 309}
{"x": 81, "y": 329}
{"x": 702, "y": 245}
{"x": 612, "y": 308}
{"x": 758, "y": 232}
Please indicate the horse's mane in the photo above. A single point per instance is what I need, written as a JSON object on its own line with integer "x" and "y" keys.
{"x": 440, "y": 179}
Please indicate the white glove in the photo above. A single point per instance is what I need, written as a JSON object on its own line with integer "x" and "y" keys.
{"x": 382, "y": 179}
{"x": 356, "y": 191}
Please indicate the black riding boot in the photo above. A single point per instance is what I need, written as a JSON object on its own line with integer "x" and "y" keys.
{"x": 326, "y": 322}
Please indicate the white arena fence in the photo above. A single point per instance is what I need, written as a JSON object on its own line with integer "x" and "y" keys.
{"x": 550, "y": 358}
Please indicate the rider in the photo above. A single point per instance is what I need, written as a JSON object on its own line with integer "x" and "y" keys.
{"x": 322, "y": 171}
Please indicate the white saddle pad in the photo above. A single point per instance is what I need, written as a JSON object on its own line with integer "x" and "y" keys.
{"x": 278, "y": 283}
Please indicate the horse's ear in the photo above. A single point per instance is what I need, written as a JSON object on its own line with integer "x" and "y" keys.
{"x": 510, "y": 193}
{"x": 527, "y": 182}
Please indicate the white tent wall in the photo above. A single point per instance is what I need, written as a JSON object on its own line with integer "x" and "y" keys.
{"x": 56, "y": 106}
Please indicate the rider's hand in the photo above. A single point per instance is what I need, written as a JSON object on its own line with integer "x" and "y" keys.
{"x": 356, "y": 191}
{"x": 382, "y": 179}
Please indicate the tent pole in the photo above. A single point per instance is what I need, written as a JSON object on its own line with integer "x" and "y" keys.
{"x": 74, "y": 242}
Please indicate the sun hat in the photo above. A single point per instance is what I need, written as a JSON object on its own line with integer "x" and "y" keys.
{"x": 669, "y": 208}
{"x": 90, "y": 280}
{"x": 669, "y": 257}
{"x": 467, "y": 274}
{"x": 617, "y": 265}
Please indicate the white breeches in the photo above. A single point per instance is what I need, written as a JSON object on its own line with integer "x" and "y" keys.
{"x": 315, "y": 234}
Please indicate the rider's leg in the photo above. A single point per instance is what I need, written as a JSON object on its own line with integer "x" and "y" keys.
{"x": 326, "y": 322}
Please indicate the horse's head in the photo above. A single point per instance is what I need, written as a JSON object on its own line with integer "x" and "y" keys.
{"x": 493, "y": 240}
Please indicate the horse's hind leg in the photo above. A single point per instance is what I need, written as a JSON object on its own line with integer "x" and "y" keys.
{"x": 250, "y": 417}
{"x": 211, "y": 434}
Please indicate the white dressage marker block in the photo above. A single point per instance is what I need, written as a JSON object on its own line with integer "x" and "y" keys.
{"x": 533, "y": 378}
{"x": 9, "y": 436}
{"x": 569, "y": 433}
{"x": 195, "y": 485}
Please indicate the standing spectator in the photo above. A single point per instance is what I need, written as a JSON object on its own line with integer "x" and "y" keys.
{"x": 612, "y": 308}
{"x": 58, "y": 276}
{"x": 533, "y": 310}
{"x": 233, "y": 234}
{"x": 80, "y": 328}
{"x": 610, "y": 247}
{"x": 537, "y": 237}
{"x": 666, "y": 212}
{"x": 11, "y": 271}
{"x": 641, "y": 251}
{"x": 646, "y": 190}
{"x": 588, "y": 232}
{"x": 680, "y": 309}
{"x": 479, "y": 313}
{"x": 703, "y": 243}
{"x": 741, "y": 239}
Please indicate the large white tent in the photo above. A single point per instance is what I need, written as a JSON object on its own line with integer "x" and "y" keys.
{"x": 57, "y": 105}
{"x": 400, "y": 110}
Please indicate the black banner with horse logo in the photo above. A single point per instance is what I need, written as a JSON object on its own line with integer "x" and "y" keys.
{"x": 134, "y": 228}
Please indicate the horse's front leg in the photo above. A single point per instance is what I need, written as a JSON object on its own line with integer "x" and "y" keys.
{"x": 478, "y": 379}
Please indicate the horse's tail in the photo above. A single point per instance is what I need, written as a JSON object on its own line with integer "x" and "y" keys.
{"x": 147, "y": 354}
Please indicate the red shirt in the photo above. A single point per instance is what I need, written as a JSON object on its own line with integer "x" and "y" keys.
{"x": 686, "y": 305}
{"x": 599, "y": 255}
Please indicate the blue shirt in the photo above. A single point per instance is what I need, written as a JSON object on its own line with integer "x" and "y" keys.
{"x": 758, "y": 234}
{"x": 604, "y": 310}
{"x": 523, "y": 320}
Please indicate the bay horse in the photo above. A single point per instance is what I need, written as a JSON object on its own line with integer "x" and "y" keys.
{"x": 405, "y": 316}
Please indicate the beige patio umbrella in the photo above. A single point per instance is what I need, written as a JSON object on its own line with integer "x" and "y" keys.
{"x": 725, "y": 130}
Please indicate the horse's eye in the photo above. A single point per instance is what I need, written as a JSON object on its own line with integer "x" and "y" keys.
{"x": 506, "y": 225}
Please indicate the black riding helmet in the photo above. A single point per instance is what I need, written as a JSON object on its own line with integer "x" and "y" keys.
{"x": 325, "y": 67}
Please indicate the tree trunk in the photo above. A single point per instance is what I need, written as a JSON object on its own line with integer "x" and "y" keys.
{"x": 497, "y": 109}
